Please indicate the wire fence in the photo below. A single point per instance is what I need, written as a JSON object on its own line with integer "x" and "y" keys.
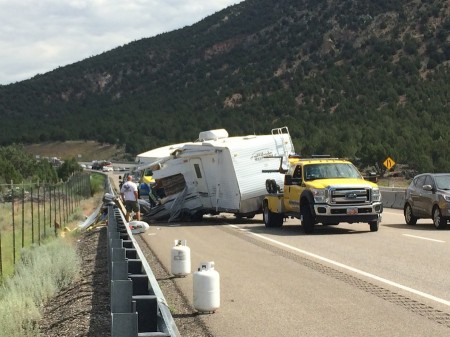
{"x": 32, "y": 212}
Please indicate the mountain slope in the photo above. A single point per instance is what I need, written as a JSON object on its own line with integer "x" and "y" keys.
{"x": 363, "y": 79}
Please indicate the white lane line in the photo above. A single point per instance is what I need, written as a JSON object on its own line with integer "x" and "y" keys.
{"x": 423, "y": 238}
{"x": 357, "y": 271}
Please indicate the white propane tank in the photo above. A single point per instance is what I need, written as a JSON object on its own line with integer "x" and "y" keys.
{"x": 181, "y": 258}
{"x": 206, "y": 288}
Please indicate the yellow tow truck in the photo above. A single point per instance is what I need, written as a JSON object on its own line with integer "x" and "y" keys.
{"x": 323, "y": 190}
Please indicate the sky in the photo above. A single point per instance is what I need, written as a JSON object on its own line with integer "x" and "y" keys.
{"x": 37, "y": 36}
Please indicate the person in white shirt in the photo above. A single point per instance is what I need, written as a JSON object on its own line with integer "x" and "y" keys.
{"x": 129, "y": 193}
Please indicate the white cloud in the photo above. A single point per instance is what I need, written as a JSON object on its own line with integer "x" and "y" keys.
{"x": 37, "y": 36}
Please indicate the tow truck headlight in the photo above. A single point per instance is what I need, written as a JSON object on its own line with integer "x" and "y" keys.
{"x": 376, "y": 195}
{"x": 320, "y": 195}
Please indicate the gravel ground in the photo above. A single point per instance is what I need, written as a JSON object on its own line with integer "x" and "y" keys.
{"x": 83, "y": 308}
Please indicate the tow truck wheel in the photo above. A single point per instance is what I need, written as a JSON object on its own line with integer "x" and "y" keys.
{"x": 307, "y": 219}
{"x": 374, "y": 226}
{"x": 271, "y": 219}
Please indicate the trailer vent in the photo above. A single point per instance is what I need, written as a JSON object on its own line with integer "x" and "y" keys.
{"x": 212, "y": 135}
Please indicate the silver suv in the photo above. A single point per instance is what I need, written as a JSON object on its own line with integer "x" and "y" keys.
{"x": 428, "y": 196}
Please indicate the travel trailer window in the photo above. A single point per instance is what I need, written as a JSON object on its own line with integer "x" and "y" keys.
{"x": 197, "y": 171}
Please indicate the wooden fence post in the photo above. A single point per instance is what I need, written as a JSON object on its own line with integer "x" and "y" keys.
{"x": 13, "y": 223}
{"x": 23, "y": 214}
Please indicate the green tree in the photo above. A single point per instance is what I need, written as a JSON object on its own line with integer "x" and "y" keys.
{"x": 18, "y": 165}
{"x": 45, "y": 172}
{"x": 67, "y": 168}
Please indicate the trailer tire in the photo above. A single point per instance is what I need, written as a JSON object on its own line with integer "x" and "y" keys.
{"x": 271, "y": 219}
{"x": 246, "y": 216}
{"x": 196, "y": 217}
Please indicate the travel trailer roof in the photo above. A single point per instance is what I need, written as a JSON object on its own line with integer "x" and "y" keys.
{"x": 231, "y": 143}
{"x": 153, "y": 155}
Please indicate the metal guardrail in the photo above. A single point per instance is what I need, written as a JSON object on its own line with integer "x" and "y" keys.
{"x": 138, "y": 306}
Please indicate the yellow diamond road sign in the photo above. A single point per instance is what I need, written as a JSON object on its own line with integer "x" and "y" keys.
{"x": 389, "y": 163}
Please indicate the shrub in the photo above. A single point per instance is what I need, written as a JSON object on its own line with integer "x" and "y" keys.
{"x": 97, "y": 183}
{"x": 41, "y": 273}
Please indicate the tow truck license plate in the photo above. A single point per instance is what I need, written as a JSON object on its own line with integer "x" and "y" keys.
{"x": 352, "y": 211}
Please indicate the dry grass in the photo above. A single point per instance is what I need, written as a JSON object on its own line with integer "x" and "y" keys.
{"x": 42, "y": 271}
{"x": 394, "y": 182}
{"x": 82, "y": 150}
{"x": 27, "y": 223}
{"x": 88, "y": 207}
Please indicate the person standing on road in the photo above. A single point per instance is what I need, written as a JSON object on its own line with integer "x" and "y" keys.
{"x": 129, "y": 193}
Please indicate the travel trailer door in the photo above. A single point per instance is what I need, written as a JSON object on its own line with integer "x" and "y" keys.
{"x": 201, "y": 183}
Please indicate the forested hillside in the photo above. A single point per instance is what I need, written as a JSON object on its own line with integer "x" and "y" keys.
{"x": 363, "y": 79}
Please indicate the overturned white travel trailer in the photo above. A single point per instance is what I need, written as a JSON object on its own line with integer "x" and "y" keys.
{"x": 148, "y": 158}
{"x": 220, "y": 174}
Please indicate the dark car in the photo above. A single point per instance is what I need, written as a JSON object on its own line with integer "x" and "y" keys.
{"x": 98, "y": 165}
{"x": 428, "y": 196}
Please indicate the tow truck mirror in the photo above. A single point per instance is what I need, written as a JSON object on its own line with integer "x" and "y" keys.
{"x": 288, "y": 179}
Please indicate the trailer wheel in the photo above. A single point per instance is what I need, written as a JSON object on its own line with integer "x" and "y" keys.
{"x": 196, "y": 217}
{"x": 271, "y": 219}
{"x": 247, "y": 216}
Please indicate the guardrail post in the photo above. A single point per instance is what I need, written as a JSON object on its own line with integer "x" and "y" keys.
{"x": 119, "y": 270}
{"x": 147, "y": 309}
{"x": 113, "y": 242}
{"x": 121, "y": 293}
{"x": 118, "y": 254}
{"x": 124, "y": 325}
{"x": 141, "y": 285}
{"x": 130, "y": 253}
{"x": 128, "y": 244}
{"x": 119, "y": 265}
{"x": 135, "y": 266}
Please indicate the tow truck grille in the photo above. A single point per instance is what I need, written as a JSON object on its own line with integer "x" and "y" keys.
{"x": 350, "y": 196}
